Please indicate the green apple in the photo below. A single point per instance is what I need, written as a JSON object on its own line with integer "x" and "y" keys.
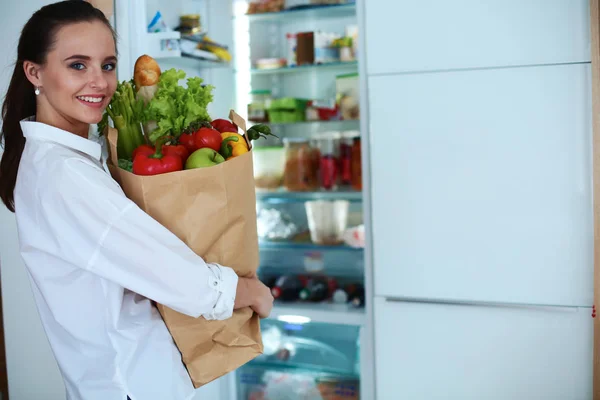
{"x": 204, "y": 157}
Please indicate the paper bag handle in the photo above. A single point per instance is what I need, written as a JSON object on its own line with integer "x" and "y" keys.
{"x": 113, "y": 136}
{"x": 240, "y": 122}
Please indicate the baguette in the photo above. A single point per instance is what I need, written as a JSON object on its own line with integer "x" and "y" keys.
{"x": 146, "y": 72}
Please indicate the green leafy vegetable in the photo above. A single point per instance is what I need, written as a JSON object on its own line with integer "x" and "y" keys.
{"x": 174, "y": 107}
{"x": 126, "y": 165}
{"x": 126, "y": 113}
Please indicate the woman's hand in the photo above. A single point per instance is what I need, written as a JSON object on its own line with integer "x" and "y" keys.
{"x": 252, "y": 293}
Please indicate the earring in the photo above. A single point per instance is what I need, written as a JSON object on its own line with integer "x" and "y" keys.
{"x": 37, "y": 91}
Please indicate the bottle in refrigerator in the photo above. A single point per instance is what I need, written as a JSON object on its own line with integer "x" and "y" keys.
{"x": 356, "y": 164}
{"x": 340, "y": 296}
{"x": 328, "y": 145}
{"x": 316, "y": 290}
{"x": 287, "y": 288}
{"x": 346, "y": 142}
{"x": 356, "y": 295}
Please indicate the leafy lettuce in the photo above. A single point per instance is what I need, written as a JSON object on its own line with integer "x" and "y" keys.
{"x": 174, "y": 108}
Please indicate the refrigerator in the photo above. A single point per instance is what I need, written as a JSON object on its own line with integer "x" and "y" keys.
{"x": 480, "y": 130}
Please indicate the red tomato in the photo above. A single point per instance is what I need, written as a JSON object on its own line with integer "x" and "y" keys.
{"x": 187, "y": 140}
{"x": 223, "y": 125}
{"x": 207, "y": 137}
{"x": 178, "y": 150}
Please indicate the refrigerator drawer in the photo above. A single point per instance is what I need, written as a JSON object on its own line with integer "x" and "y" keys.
{"x": 303, "y": 361}
{"x": 439, "y": 35}
{"x": 481, "y": 185}
{"x": 324, "y": 347}
{"x": 451, "y": 351}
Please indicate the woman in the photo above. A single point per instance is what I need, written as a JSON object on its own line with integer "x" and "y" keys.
{"x": 93, "y": 257}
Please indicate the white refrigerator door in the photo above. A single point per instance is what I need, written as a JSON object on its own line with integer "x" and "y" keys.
{"x": 416, "y": 35}
{"x": 435, "y": 351}
{"x": 481, "y": 185}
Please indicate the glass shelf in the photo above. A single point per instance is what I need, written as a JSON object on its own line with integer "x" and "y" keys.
{"x": 328, "y": 313}
{"x": 312, "y": 12}
{"x": 342, "y": 124}
{"x": 305, "y": 68}
{"x": 271, "y": 245}
{"x": 283, "y": 196}
{"x": 190, "y": 61}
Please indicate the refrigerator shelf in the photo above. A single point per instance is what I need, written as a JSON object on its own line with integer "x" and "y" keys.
{"x": 328, "y": 313}
{"x": 306, "y": 246}
{"x": 284, "y": 196}
{"x": 313, "y": 67}
{"x": 300, "y": 368}
{"x": 314, "y": 12}
{"x": 341, "y": 124}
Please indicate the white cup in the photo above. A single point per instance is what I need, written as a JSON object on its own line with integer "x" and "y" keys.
{"x": 327, "y": 220}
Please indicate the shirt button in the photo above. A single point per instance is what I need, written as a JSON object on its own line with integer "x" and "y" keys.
{"x": 215, "y": 283}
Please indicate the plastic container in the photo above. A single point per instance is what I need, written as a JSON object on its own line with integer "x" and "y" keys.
{"x": 260, "y": 101}
{"x": 291, "y": 49}
{"x": 287, "y": 110}
{"x": 347, "y": 95}
{"x": 327, "y": 220}
{"x": 300, "y": 173}
{"x": 337, "y": 388}
{"x": 270, "y": 63}
{"x": 269, "y": 165}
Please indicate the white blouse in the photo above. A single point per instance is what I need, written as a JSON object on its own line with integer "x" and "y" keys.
{"x": 94, "y": 260}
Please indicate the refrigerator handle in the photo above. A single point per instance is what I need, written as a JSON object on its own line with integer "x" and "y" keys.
{"x": 474, "y": 303}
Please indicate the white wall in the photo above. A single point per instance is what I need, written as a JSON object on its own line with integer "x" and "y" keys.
{"x": 32, "y": 370}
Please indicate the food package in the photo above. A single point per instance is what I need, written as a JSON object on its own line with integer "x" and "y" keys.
{"x": 218, "y": 223}
{"x": 347, "y": 96}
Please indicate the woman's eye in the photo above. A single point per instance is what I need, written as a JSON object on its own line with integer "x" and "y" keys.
{"x": 78, "y": 66}
{"x": 108, "y": 67}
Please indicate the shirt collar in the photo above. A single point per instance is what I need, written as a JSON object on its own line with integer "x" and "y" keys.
{"x": 40, "y": 131}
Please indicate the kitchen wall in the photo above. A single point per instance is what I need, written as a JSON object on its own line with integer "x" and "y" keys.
{"x": 32, "y": 370}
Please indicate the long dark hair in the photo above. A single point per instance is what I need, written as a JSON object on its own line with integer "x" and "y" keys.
{"x": 37, "y": 38}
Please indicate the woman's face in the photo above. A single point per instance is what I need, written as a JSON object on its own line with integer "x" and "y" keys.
{"x": 79, "y": 76}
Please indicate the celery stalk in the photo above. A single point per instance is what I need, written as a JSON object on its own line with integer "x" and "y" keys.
{"x": 127, "y": 116}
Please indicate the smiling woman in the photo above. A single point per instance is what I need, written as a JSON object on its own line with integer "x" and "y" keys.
{"x": 49, "y": 83}
{"x": 76, "y": 81}
{"x": 96, "y": 262}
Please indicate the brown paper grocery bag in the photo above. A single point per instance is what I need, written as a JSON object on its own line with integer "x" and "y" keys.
{"x": 213, "y": 210}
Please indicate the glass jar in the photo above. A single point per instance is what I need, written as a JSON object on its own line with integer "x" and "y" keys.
{"x": 328, "y": 145}
{"x": 260, "y": 101}
{"x": 189, "y": 24}
{"x": 269, "y": 163}
{"x": 299, "y": 173}
{"x": 346, "y": 142}
{"x": 356, "y": 164}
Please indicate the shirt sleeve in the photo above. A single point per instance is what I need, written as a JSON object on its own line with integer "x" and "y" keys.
{"x": 104, "y": 232}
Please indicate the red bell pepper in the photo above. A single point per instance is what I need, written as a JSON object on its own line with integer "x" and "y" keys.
{"x": 142, "y": 149}
{"x": 157, "y": 163}
{"x": 171, "y": 149}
